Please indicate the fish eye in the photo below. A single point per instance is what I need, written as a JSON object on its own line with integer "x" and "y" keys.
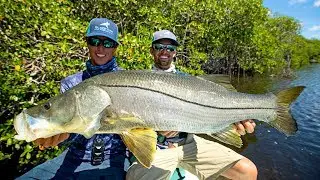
{"x": 47, "y": 105}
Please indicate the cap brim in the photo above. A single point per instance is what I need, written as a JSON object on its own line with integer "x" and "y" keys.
{"x": 174, "y": 42}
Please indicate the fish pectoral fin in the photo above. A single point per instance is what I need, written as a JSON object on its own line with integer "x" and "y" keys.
{"x": 111, "y": 117}
{"x": 228, "y": 136}
{"x": 142, "y": 143}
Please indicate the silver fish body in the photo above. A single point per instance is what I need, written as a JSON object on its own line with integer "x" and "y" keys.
{"x": 166, "y": 101}
{"x": 134, "y": 104}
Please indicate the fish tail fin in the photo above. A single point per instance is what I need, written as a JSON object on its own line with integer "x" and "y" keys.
{"x": 284, "y": 121}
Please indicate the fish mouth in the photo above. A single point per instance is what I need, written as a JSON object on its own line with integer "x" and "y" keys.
{"x": 22, "y": 127}
{"x": 30, "y": 128}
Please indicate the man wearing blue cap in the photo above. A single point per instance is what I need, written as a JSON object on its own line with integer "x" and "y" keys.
{"x": 203, "y": 158}
{"x": 104, "y": 155}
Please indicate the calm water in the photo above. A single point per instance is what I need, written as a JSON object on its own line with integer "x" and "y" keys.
{"x": 294, "y": 157}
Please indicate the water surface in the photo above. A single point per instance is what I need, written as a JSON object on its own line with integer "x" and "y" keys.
{"x": 293, "y": 157}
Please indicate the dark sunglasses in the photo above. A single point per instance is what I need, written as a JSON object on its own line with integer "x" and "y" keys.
{"x": 168, "y": 47}
{"x": 94, "y": 41}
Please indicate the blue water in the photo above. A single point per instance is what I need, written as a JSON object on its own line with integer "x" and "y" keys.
{"x": 295, "y": 157}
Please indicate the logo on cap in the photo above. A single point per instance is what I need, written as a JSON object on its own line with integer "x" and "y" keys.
{"x": 103, "y": 27}
{"x": 107, "y": 24}
{"x": 166, "y": 33}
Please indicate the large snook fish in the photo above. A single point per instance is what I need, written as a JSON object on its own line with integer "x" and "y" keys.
{"x": 135, "y": 104}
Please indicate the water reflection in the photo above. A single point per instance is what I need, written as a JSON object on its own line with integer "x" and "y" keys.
{"x": 278, "y": 156}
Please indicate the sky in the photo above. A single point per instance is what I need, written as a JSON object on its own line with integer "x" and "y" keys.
{"x": 307, "y": 12}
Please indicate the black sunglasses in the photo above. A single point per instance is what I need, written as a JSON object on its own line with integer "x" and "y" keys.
{"x": 94, "y": 41}
{"x": 168, "y": 47}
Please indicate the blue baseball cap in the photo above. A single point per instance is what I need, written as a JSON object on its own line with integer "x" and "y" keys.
{"x": 103, "y": 27}
{"x": 165, "y": 34}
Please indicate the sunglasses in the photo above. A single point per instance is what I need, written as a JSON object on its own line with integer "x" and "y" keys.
{"x": 94, "y": 41}
{"x": 168, "y": 47}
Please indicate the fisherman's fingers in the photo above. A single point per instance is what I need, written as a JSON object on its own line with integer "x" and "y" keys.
{"x": 249, "y": 125}
{"x": 253, "y": 123}
{"x": 172, "y": 134}
{"x": 44, "y": 143}
{"x": 57, "y": 139}
{"x": 40, "y": 142}
{"x": 246, "y": 126}
{"x": 48, "y": 142}
{"x": 240, "y": 128}
{"x": 168, "y": 134}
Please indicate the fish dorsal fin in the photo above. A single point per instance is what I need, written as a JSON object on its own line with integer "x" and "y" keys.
{"x": 221, "y": 79}
{"x": 229, "y": 136}
{"x": 142, "y": 143}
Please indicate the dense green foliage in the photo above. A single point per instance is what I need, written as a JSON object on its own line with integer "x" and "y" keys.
{"x": 42, "y": 41}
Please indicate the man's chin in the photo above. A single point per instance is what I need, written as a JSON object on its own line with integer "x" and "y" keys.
{"x": 164, "y": 67}
{"x": 165, "y": 63}
{"x": 101, "y": 61}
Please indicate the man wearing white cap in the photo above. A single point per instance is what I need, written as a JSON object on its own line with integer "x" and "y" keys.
{"x": 203, "y": 158}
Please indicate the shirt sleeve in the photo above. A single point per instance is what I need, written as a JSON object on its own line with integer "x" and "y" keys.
{"x": 63, "y": 86}
{"x": 70, "y": 81}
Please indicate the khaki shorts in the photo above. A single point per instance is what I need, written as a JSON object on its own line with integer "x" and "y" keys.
{"x": 203, "y": 158}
